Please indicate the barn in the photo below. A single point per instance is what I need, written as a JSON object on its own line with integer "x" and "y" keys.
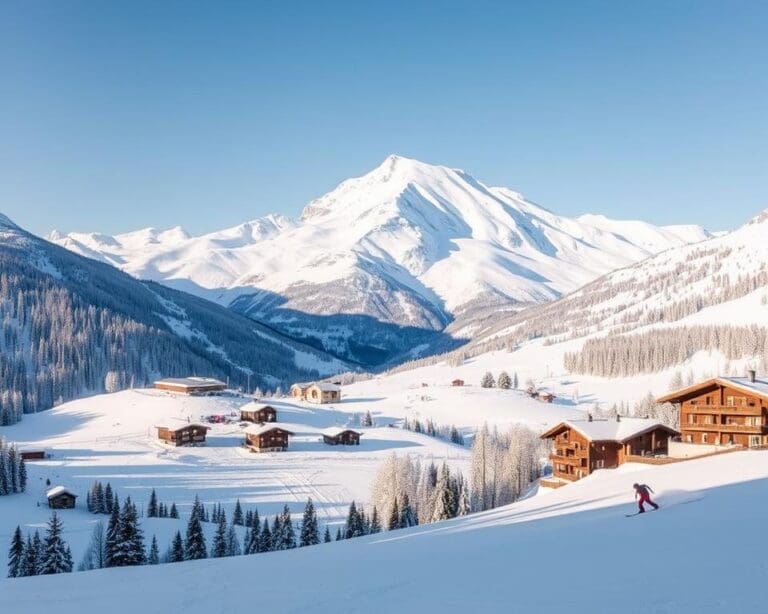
{"x": 258, "y": 413}
{"x": 337, "y": 436}
{"x": 191, "y": 385}
{"x": 60, "y": 498}
{"x": 182, "y": 434}
{"x": 267, "y": 438}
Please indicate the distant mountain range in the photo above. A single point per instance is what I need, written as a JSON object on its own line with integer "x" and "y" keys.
{"x": 391, "y": 265}
{"x": 73, "y": 326}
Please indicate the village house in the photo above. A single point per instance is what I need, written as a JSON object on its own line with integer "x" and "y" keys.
{"x": 258, "y": 413}
{"x": 547, "y": 397}
{"x": 582, "y": 446}
{"x": 190, "y": 385}
{"x": 60, "y": 498}
{"x": 457, "y": 382}
{"x": 182, "y": 434}
{"x": 317, "y": 392}
{"x": 723, "y": 411}
{"x": 267, "y": 438}
{"x": 32, "y": 455}
{"x": 336, "y": 436}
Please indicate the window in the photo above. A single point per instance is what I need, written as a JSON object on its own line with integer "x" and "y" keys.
{"x": 754, "y": 440}
{"x": 691, "y": 419}
{"x": 689, "y": 438}
{"x": 704, "y": 437}
{"x": 709, "y": 400}
{"x": 599, "y": 464}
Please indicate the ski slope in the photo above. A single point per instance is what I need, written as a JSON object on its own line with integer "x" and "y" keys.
{"x": 569, "y": 550}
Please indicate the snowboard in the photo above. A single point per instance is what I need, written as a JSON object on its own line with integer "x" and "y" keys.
{"x": 645, "y": 512}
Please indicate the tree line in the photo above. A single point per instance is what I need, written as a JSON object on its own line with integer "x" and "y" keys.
{"x": 13, "y": 469}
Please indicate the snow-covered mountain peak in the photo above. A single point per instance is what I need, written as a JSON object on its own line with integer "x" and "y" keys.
{"x": 6, "y": 223}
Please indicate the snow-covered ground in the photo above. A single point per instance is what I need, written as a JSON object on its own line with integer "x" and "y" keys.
{"x": 111, "y": 438}
{"x": 569, "y": 550}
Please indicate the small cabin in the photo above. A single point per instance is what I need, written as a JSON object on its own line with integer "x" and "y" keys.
{"x": 258, "y": 413}
{"x": 299, "y": 391}
{"x": 183, "y": 434}
{"x": 320, "y": 392}
{"x": 547, "y": 397}
{"x": 191, "y": 385}
{"x": 267, "y": 438}
{"x": 457, "y": 382}
{"x": 32, "y": 455}
{"x": 60, "y": 498}
{"x": 341, "y": 437}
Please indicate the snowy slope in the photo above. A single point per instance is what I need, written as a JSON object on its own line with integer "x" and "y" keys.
{"x": 566, "y": 550}
{"x": 407, "y": 245}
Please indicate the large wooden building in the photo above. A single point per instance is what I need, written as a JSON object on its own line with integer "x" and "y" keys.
{"x": 60, "y": 498}
{"x": 183, "y": 434}
{"x": 267, "y": 438}
{"x": 723, "y": 411}
{"x": 337, "y": 436}
{"x": 258, "y": 413}
{"x": 317, "y": 392}
{"x": 582, "y": 446}
{"x": 190, "y": 385}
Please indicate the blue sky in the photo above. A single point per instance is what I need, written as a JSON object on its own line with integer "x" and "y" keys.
{"x": 121, "y": 115}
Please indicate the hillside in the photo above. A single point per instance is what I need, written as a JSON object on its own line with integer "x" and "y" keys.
{"x": 70, "y": 324}
{"x": 528, "y": 556}
{"x": 392, "y": 264}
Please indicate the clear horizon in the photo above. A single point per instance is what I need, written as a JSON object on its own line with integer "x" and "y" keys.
{"x": 119, "y": 117}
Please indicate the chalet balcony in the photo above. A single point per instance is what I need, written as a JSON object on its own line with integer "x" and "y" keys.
{"x": 724, "y": 410}
{"x": 574, "y": 461}
{"x": 726, "y": 428}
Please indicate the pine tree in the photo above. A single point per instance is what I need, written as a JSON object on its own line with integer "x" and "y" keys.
{"x": 339, "y": 535}
{"x": 487, "y": 381}
{"x": 174, "y": 513}
{"x": 108, "y": 500}
{"x": 219, "y": 545}
{"x": 354, "y": 527}
{"x": 38, "y": 549}
{"x": 194, "y": 547}
{"x": 237, "y": 515}
{"x": 30, "y": 560}
{"x": 233, "y": 545}
{"x": 444, "y": 501}
{"x": 288, "y": 534}
{"x": 327, "y": 535}
{"x": 130, "y": 545}
{"x": 153, "y": 556}
{"x": 394, "y": 516}
{"x": 177, "y": 549}
{"x": 265, "y": 538}
{"x": 22, "y": 475}
{"x": 504, "y": 381}
{"x": 113, "y": 537}
{"x": 16, "y": 554}
{"x": 152, "y": 505}
{"x": 55, "y": 559}
{"x": 309, "y": 531}
{"x": 375, "y": 526}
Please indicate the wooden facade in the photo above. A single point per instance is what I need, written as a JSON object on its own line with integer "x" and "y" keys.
{"x": 258, "y": 414}
{"x": 323, "y": 393}
{"x": 723, "y": 411}
{"x": 59, "y": 498}
{"x": 184, "y": 435}
{"x": 583, "y": 446}
{"x": 341, "y": 437}
{"x": 32, "y": 455}
{"x": 457, "y": 382}
{"x": 267, "y": 438}
{"x": 190, "y": 385}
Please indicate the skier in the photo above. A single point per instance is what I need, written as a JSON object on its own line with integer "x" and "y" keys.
{"x": 643, "y": 491}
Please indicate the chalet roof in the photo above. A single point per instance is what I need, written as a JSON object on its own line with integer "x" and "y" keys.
{"x": 59, "y": 490}
{"x": 302, "y": 385}
{"x": 609, "y": 429}
{"x": 255, "y": 407}
{"x": 181, "y": 426}
{"x": 190, "y": 382}
{"x": 265, "y": 428}
{"x": 758, "y": 387}
{"x": 335, "y": 431}
{"x": 327, "y": 387}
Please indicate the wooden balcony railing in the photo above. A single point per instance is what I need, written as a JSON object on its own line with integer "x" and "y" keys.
{"x": 726, "y": 428}
{"x": 724, "y": 410}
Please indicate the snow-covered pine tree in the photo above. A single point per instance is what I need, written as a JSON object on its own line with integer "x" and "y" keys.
{"x": 16, "y": 554}
{"x": 177, "y": 549}
{"x": 407, "y": 516}
{"x": 233, "y": 545}
{"x": 219, "y": 545}
{"x": 375, "y": 525}
{"x": 152, "y": 511}
{"x": 55, "y": 558}
{"x": 194, "y": 546}
{"x": 327, "y": 535}
{"x": 309, "y": 531}
{"x": 112, "y": 542}
{"x": 95, "y": 555}
{"x": 288, "y": 533}
{"x": 130, "y": 548}
{"x": 504, "y": 381}
{"x": 108, "y": 499}
{"x": 29, "y": 562}
{"x": 394, "y": 516}
{"x": 444, "y": 504}
{"x": 237, "y": 515}
{"x": 487, "y": 381}
{"x": 174, "y": 513}
{"x": 153, "y": 556}
{"x": 354, "y": 526}
{"x": 265, "y": 538}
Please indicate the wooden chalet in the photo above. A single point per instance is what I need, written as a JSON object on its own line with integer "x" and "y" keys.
{"x": 267, "y": 438}
{"x": 60, "y": 498}
{"x": 258, "y": 413}
{"x": 32, "y": 455}
{"x": 191, "y": 385}
{"x": 299, "y": 391}
{"x": 582, "y": 446}
{"x": 723, "y": 411}
{"x": 457, "y": 382}
{"x": 182, "y": 434}
{"x": 341, "y": 437}
{"x": 547, "y": 397}
{"x": 322, "y": 392}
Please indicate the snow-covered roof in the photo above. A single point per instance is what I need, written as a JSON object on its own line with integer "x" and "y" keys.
{"x": 265, "y": 428}
{"x": 190, "y": 382}
{"x": 181, "y": 426}
{"x": 59, "y": 490}
{"x": 255, "y": 407}
{"x": 326, "y": 387}
{"x": 609, "y": 429}
{"x": 335, "y": 431}
{"x": 302, "y": 385}
{"x": 759, "y": 387}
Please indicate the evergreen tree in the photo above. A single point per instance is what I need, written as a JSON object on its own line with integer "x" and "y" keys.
{"x": 108, "y": 500}
{"x": 152, "y": 505}
{"x": 153, "y": 556}
{"x": 194, "y": 547}
{"x": 233, "y": 545}
{"x": 394, "y": 516}
{"x": 339, "y": 535}
{"x": 219, "y": 545}
{"x": 177, "y": 549}
{"x": 487, "y": 381}
{"x": 288, "y": 535}
{"x": 407, "y": 517}
{"x": 55, "y": 559}
{"x": 504, "y": 381}
{"x": 113, "y": 537}
{"x": 265, "y": 538}
{"x": 444, "y": 502}
{"x": 38, "y": 549}
{"x": 354, "y": 527}
{"x": 30, "y": 560}
{"x": 327, "y": 535}
{"x": 174, "y": 513}
{"x": 16, "y": 554}
{"x": 375, "y": 526}
{"x": 237, "y": 515}
{"x": 22, "y": 475}
{"x": 130, "y": 546}
{"x": 309, "y": 531}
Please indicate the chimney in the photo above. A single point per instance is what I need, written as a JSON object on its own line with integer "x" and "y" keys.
{"x": 751, "y": 374}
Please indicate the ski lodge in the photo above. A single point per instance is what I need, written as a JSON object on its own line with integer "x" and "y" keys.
{"x": 190, "y": 385}
{"x": 316, "y": 392}
{"x": 267, "y": 438}
{"x": 258, "y": 413}
{"x": 336, "y": 436}
{"x": 723, "y": 411}
{"x": 583, "y": 446}
{"x": 60, "y": 498}
{"x": 183, "y": 434}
